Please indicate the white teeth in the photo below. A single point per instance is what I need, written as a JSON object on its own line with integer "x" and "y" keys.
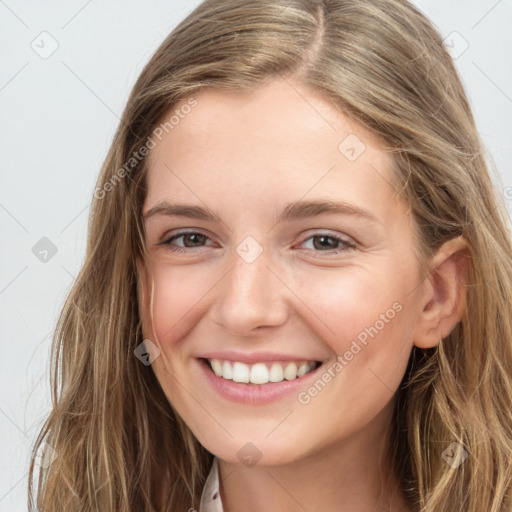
{"x": 227, "y": 371}
{"x": 260, "y": 373}
{"x": 276, "y": 373}
{"x": 240, "y": 372}
{"x": 290, "y": 372}
{"x": 302, "y": 370}
{"x": 216, "y": 367}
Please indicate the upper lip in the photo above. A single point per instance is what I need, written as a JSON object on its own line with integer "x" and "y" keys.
{"x": 255, "y": 357}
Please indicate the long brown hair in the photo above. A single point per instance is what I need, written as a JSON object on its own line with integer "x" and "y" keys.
{"x": 120, "y": 446}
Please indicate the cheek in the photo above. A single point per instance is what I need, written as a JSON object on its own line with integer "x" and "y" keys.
{"x": 177, "y": 297}
{"x": 370, "y": 332}
{"x": 362, "y": 315}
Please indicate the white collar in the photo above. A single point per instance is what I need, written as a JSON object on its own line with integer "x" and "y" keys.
{"x": 210, "y": 498}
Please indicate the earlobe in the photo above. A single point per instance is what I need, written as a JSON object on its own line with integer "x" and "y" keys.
{"x": 444, "y": 293}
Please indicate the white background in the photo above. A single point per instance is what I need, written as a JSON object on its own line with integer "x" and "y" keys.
{"x": 57, "y": 119}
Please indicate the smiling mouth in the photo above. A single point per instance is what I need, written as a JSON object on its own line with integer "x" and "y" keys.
{"x": 262, "y": 372}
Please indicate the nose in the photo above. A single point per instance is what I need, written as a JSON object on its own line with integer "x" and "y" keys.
{"x": 250, "y": 296}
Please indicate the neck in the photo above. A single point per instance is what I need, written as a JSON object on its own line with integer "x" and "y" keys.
{"x": 353, "y": 475}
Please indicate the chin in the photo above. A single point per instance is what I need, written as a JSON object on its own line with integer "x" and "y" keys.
{"x": 258, "y": 452}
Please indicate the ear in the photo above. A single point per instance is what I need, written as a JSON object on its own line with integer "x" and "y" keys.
{"x": 444, "y": 293}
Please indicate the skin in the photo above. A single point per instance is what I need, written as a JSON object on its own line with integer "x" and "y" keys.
{"x": 245, "y": 156}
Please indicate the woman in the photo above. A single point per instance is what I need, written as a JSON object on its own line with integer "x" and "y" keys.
{"x": 297, "y": 287}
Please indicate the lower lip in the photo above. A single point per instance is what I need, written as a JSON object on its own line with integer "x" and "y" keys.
{"x": 255, "y": 394}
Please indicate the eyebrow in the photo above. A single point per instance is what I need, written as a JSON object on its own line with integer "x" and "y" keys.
{"x": 293, "y": 211}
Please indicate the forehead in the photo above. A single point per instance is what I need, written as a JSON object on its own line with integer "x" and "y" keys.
{"x": 278, "y": 142}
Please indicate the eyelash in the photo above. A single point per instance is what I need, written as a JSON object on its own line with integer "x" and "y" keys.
{"x": 347, "y": 245}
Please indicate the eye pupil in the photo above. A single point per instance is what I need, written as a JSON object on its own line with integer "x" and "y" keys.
{"x": 197, "y": 236}
{"x": 323, "y": 245}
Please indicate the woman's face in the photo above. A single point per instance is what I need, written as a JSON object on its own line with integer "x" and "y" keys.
{"x": 298, "y": 256}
